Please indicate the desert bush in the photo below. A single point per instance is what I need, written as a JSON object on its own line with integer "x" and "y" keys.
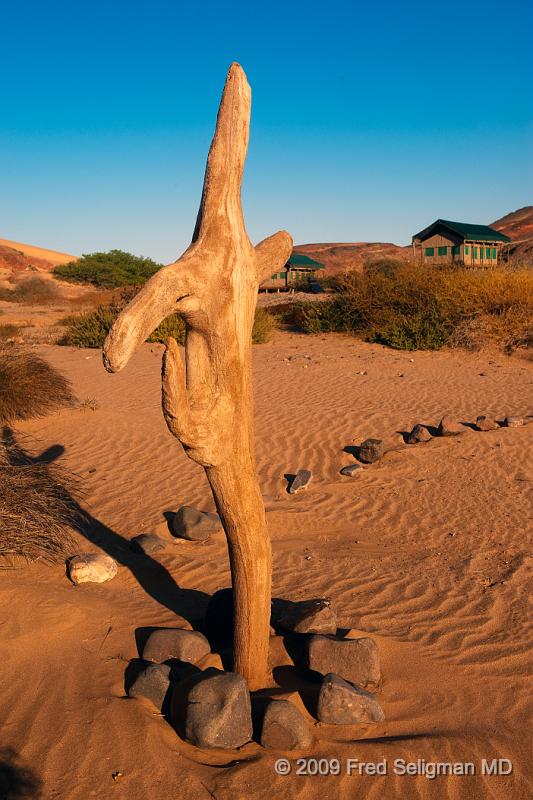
{"x": 263, "y": 327}
{"x": 109, "y": 270}
{"x": 413, "y": 306}
{"x": 90, "y": 328}
{"x": 34, "y": 290}
{"x": 29, "y": 385}
{"x": 37, "y": 506}
{"x": 7, "y": 331}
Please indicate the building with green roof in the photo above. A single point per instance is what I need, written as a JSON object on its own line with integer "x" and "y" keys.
{"x": 297, "y": 270}
{"x": 461, "y": 243}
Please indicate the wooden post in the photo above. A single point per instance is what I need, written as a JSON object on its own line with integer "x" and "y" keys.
{"x": 207, "y": 401}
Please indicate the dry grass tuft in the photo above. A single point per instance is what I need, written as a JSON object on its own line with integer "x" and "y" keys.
{"x": 29, "y": 386}
{"x": 33, "y": 291}
{"x": 8, "y": 331}
{"x": 37, "y": 506}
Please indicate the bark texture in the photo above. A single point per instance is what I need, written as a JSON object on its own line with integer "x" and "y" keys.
{"x": 207, "y": 399}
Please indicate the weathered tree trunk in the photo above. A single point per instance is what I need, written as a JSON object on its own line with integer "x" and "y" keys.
{"x": 208, "y": 402}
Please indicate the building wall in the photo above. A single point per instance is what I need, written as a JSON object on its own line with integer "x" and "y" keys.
{"x": 478, "y": 254}
{"x": 441, "y": 248}
{"x": 482, "y": 254}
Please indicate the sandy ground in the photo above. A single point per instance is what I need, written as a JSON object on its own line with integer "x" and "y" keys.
{"x": 426, "y": 551}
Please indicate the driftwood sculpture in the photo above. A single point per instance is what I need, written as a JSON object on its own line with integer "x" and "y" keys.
{"x": 207, "y": 401}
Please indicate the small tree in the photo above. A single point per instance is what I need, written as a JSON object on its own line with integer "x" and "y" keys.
{"x": 108, "y": 270}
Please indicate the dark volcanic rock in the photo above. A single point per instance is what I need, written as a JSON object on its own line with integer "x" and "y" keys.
{"x": 419, "y": 434}
{"x": 153, "y": 683}
{"x": 189, "y": 523}
{"x": 341, "y": 703}
{"x": 176, "y": 644}
{"x": 148, "y": 543}
{"x": 371, "y": 450}
{"x": 355, "y": 660}
{"x": 301, "y": 480}
{"x": 213, "y": 709}
{"x": 284, "y": 727}
{"x": 309, "y": 616}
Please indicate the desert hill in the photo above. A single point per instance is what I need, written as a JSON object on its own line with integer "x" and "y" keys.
{"x": 339, "y": 257}
{"x": 517, "y": 225}
{"x": 18, "y": 257}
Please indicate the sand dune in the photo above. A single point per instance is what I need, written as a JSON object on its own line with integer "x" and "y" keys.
{"x": 51, "y": 256}
{"x": 426, "y": 551}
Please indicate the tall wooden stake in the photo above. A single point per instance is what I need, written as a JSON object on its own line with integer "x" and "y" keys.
{"x": 207, "y": 401}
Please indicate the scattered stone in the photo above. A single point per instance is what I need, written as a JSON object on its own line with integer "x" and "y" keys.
{"x": 419, "y": 434}
{"x": 91, "y": 568}
{"x": 301, "y": 480}
{"x": 196, "y": 526}
{"x": 486, "y": 424}
{"x": 148, "y": 543}
{"x": 513, "y": 422}
{"x": 371, "y": 450}
{"x": 352, "y": 470}
{"x": 284, "y": 727}
{"x": 448, "y": 426}
{"x": 153, "y": 683}
{"x": 341, "y": 703}
{"x": 213, "y": 709}
{"x": 177, "y": 644}
{"x": 310, "y": 616}
{"x": 355, "y": 660}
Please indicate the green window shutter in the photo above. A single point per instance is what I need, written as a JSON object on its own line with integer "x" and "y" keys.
{"x": 456, "y": 250}
{"x": 494, "y": 252}
{"x": 467, "y": 250}
{"x": 475, "y": 252}
{"x": 274, "y": 276}
{"x": 282, "y": 274}
{"x": 443, "y": 251}
{"x": 487, "y": 252}
{"x": 430, "y": 251}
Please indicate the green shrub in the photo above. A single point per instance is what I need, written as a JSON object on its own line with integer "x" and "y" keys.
{"x": 413, "y": 306}
{"x": 264, "y": 325}
{"x": 110, "y": 270}
{"x": 89, "y": 329}
{"x": 417, "y": 332}
{"x": 171, "y": 326}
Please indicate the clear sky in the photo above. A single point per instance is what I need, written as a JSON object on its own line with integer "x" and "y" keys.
{"x": 369, "y": 120}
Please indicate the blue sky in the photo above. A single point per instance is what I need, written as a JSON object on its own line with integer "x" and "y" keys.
{"x": 369, "y": 120}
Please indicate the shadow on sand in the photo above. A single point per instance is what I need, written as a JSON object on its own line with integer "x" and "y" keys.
{"x": 152, "y": 576}
{"x": 16, "y": 780}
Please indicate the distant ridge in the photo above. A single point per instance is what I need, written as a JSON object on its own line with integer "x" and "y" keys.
{"x": 52, "y": 257}
{"x": 518, "y": 224}
{"x": 340, "y": 257}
